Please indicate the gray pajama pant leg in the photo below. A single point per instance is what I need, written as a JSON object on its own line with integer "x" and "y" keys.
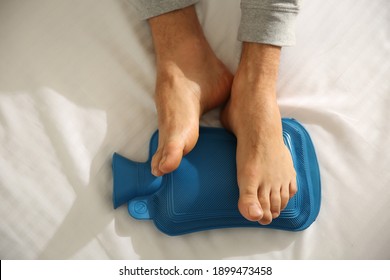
{"x": 262, "y": 21}
{"x": 268, "y": 21}
{"x": 152, "y": 8}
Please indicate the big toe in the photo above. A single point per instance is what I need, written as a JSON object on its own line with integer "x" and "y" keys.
{"x": 167, "y": 158}
{"x": 171, "y": 156}
{"x": 249, "y": 206}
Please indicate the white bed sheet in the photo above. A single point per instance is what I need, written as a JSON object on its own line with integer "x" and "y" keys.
{"x": 76, "y": 85}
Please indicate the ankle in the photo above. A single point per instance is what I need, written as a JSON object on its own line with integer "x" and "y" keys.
{"x": 177, "y": 32}
{"x": 259, "y": 67}
{"x": 261, "y": 58}
{"x": 190, "y": 52}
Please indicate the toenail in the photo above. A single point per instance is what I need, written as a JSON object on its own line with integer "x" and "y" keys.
{"x": 254, "y": 211}
{"x": 275, "y": 215}
{"x": 155, "y": 172}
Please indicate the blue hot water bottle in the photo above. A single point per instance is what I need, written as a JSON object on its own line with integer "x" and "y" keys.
{"x": 203, "y": 193}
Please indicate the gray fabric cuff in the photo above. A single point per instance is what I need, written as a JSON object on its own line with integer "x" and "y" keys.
{"x": 152, "y": 8}
{"x": 268, "y": 22}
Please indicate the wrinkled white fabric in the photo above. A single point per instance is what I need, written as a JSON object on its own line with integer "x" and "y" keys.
{"x": 76, "y": 84}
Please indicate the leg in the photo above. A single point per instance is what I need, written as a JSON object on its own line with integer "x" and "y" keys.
{"x": 190, "y": 81}
{"x": 265, "y": 172}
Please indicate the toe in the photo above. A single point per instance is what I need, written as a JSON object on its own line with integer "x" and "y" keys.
{"x": 264, "y": 198}
{"x": 155, "y": 163}
{"x": 172, "y": 154}
{"x": 266, "y": 219}
{"x": 284, "y": 197}
{"x": 275, "y": 203}
{"x": 293, "y": 188}
{"x": 248, "y": 203}
{"x": 167, "y": 157}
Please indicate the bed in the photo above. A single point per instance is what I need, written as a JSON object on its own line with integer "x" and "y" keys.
{"x": 76, "y": 85}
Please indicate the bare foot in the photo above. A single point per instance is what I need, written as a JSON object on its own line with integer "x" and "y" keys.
{"x": 190, "y": 81}
{"x": 265, "y": 172}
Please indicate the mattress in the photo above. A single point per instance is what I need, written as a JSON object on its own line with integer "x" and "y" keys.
{"x": 76, "y": 85}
